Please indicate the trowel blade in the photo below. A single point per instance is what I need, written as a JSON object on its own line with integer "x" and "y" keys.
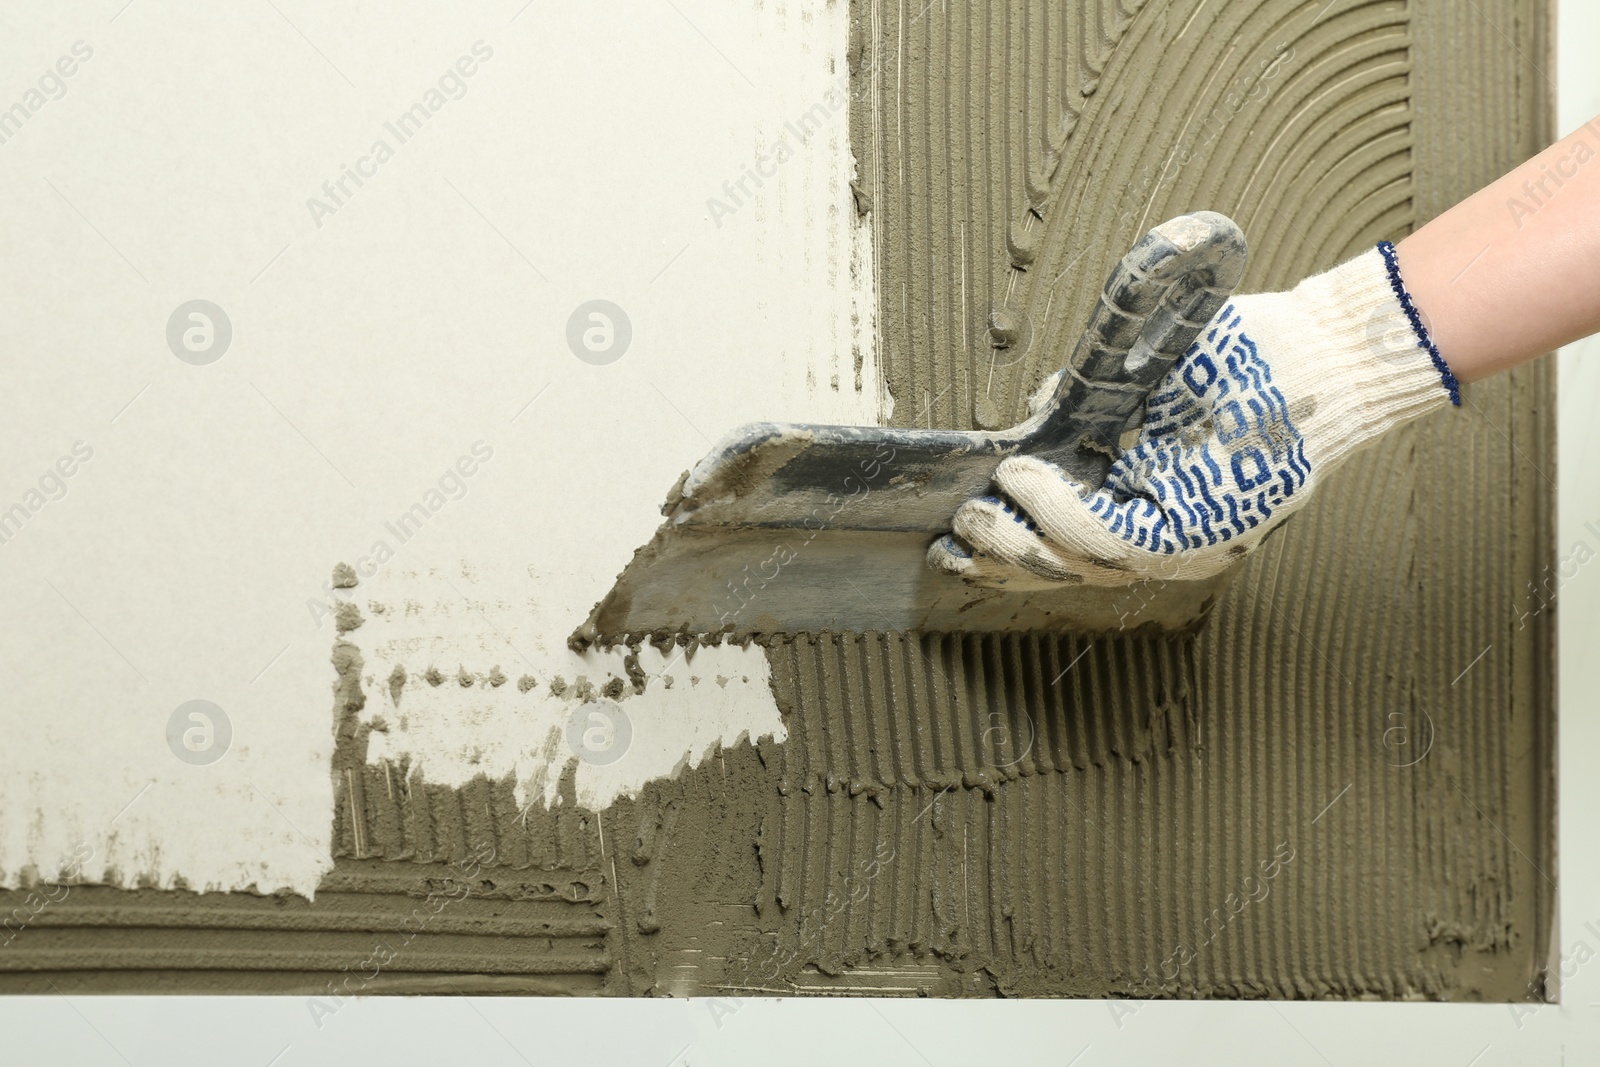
{"x": 810, "y": 529}
{"x": 803, "y": 529}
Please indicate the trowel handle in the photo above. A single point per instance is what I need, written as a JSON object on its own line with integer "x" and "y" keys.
{"x": 1155, "y": 303}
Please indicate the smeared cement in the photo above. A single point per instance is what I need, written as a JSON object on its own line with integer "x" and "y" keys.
{"x": 505, "y": 599}
{"x": 1011, "y": 154}
{"x": 465, "y": 678}
{"x": 419, "y": 330}
{"x": 1230, "y": 815}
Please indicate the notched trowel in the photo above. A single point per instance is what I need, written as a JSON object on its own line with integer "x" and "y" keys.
{"x": 807, "y": 529}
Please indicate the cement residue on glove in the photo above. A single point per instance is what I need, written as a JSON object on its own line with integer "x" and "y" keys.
{"x": 1278, "y": 389}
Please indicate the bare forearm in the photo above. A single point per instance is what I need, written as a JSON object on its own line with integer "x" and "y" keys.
{"x": 1514, "y": 270}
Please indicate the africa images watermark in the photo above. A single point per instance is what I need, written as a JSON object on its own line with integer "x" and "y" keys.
{"x": 1548, "y": 186}
{"x": 1211, "y": 927}
{"x": 50, "y": 487}
{"x": 362, "y": 973}
{"x": 57, "y": 889}
{"x": 814, "y": 922}
{"x": 453, "y": 484}
{"x": 51, "y": 85}
{"x": 452, "y": 85}
{"x": 809, "y": 123}
{"x": 741, "y": 595}
{"x": 1253, "y": 86}
{"x": 1132, "y": 599}
{"x": 1542, "y": 592}
{"x": 1540, "y": 987}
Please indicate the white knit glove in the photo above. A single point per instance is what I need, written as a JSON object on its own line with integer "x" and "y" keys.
{"x": 1277, "y": 391}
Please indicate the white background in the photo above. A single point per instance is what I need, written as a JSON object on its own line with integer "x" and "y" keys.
{"x": 380, "y": 336}
{"x": 655, "y": 1034}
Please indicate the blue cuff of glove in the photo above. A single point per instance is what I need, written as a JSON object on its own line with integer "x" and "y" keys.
{"x": 1424, "y": 340}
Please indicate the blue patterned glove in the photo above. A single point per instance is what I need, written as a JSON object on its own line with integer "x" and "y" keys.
{"x": 1278, "y": 389}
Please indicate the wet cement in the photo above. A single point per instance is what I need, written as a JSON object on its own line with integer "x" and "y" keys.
{"x": 1011, "y": 153}
{"x": 1341, "y": 788}
{"x": 1306, "y": 800}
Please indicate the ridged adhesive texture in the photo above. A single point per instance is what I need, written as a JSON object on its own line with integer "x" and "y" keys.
{"x": 1340, "y": 788}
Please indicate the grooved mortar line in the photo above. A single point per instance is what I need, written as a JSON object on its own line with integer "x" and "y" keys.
{"x": 1043, "y": 815}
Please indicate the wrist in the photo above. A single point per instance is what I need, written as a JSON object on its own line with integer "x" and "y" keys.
{"x": 1356, "y": 362}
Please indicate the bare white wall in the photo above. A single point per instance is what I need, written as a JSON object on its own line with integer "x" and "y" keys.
{"x": 918, "y": 1034}
{"x": 399, "y": 300}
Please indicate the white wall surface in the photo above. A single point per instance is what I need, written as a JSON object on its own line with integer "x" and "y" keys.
{"x": 118, "y": 1030}
{"x": 384, "y": 329}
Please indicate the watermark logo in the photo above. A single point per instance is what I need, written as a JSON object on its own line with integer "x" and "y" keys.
{"x": 599, "y": 332}
{"x": 199, "y": 732}
{"x": 857, "y": 484}
{"x": 1407, "y": 740}
{"x": 1555, "y": 171}
{"x": 1007, "y": 745}
{"x": 52, "y": 486}
{"x": 354, "y": 977}
{"x": 338, "y": 191}
{"x": 452, "y": 484}
{"x": 804, "y": 127}
{"x": 1391, "y": 336}
{"x": 1252, "y": 85}
{"x": 41, "y": 897}
{"x": 599, "y": 732}
{"x": 51, "y": 86}
{"x": 1542, "y": 595}
{"x": 199, "y": 332}
{"x": 1253, "y": 890}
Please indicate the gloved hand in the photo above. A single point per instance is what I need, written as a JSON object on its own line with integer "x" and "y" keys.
{"x": 1274, "y": 394}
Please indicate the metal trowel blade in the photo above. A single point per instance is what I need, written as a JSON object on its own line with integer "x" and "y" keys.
{"x": 788, "y": 529}
{"x": 810, "y": 529}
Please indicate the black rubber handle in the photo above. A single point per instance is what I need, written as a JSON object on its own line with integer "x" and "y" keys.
{"x": 1155, "y": 303}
